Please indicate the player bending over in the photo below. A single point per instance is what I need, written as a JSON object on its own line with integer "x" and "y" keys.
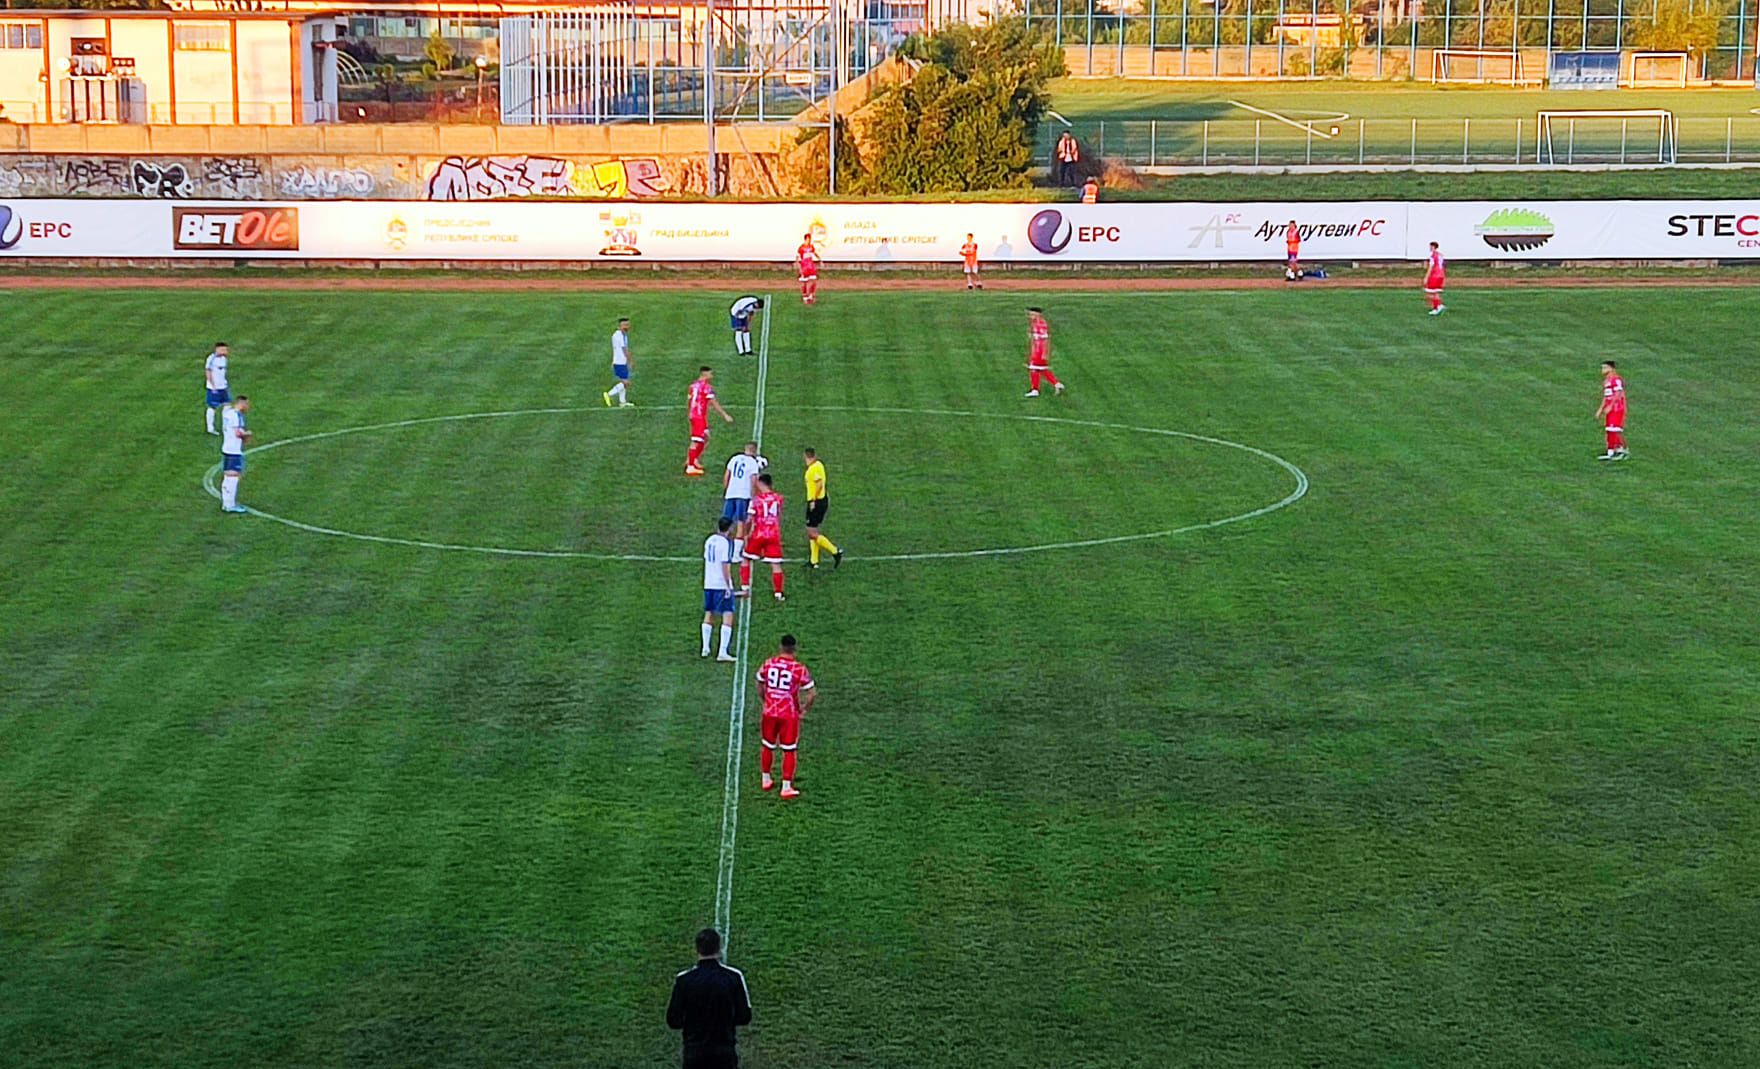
{"x": 969, "y": 253}
{"x": 806, "y": 258}
{"x": 718, "y": 587}
{"x": 741, "y": 319}
{"x": 1435, "y": 277}
{"x": 233, "y": 438}
{"x": 1613, "y": 412}
{"x": 214, "y": 370}
{"x": 620, "y": 366}
{"x": 1039, "y": 353}
{"x": 788, "y": 692}
{"x": 702, "y": 398}
{"x": 765, "y": 540}
{"x": 817, "y": 504}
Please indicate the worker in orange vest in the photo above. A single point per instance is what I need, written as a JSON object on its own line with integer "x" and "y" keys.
{"x": 1090, "y": 191}
{"x": 1068, "y": 155}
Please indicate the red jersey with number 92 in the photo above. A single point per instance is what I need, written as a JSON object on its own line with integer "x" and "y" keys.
{"x": 781, "y": 680}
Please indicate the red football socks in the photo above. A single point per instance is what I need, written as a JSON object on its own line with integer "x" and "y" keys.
{"x": 776, "y": 581}
{"x": 787, "y": 766}
{"x": 695, "y": 454}
{"x": 745, "y": 574}
{"x": 764, "y": 758}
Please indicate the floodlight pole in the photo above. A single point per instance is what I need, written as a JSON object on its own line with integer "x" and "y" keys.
{"x": 831, "y": 104}
{"x": 709, "y": 89}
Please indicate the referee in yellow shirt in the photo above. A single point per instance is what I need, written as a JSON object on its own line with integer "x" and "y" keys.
{"x": 816, "y": 505}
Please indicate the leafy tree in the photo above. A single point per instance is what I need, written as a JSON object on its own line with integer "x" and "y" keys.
{"x": 968, "y": 118}
{"x": 1674, "y": 25}
{"x": 439, "y": 53}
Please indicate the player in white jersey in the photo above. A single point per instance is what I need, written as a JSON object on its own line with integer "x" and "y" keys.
{"x": 740, "y": 317}
{"x": 620, "y": 366}
{"x": 718, "y": 557}
{"x": 218, "y": 393}
{"x": 736, "y": 486}
{"x": 233, "y": 437}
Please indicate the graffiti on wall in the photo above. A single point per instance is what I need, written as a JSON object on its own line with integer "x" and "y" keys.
{"x": 367, "y": 177}
{"x": 503, "y": 177}
{"x": 314, "y": 182}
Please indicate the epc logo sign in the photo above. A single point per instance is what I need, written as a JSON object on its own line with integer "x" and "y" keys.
{"x": 11, "y": 227}
{"x": 1051, "y": 234}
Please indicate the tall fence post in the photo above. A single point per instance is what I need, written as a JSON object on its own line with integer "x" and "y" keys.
{"x": 1466, "y": 138}
{"x": 1414, "y": 159}
{"x": 1518, "y": 142}
{"x": 1310, "y": 157}
{"x": 1102, "y": 138}
{"x": 1622, "y": 139}
{"x": 1206, "y": 149}
{"x": 1256, "y": 125}
{"x": 1729, "y": 127}
{"x": 1360, "y": 123}
{"x": 1152, "y": 142}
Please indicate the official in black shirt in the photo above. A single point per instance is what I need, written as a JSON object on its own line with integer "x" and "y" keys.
{"x": 708, "y": 1003}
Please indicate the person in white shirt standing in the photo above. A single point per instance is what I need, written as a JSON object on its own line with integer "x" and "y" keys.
{"x": 740, "y": 318}
{"x": 233, "y": 436}
{"x": 718, "y": 558}
{"x": 620, "y": 366}
{"x": 218, "y": 394}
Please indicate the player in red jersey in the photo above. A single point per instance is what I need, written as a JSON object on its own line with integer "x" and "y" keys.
{"x": 788, "y": 692}
{"x": 702, "y": 398}
{"x": 764, "y": 537}
{"x": 1292, "y": 240}
{"x": 1039, "y": 355}
{"x": 969, "y": 253}
{"x": 807, "y": 259}
{"x": 1613, "y": 412}
{"x": 1435, "y": 276}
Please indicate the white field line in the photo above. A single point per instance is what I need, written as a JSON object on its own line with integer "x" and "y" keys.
{"x": 1298, "y": 124}
{"x": 736, "y": 708}
{"x": 1301, "y": 483}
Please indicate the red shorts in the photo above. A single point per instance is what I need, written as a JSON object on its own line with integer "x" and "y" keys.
{"x": 1433, "y": 282}
{"x": 783, "y": 731}
{"x": 700, "y": 429}
{"x": 1616, "y": 419}
{"x": 809, "y": 274}
{"x": 766, "y": 547}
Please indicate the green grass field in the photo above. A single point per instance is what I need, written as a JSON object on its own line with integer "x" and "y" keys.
{"x": 1171, "y": 123}
{"x": 1454, "y": 761}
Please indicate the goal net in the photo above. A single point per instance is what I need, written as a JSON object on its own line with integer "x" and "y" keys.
{"x": 1656, "y": 70}
{"x": 1645, "y": 135}
{"x": 1472, "y": 65}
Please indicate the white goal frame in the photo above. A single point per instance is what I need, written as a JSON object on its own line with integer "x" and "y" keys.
{"x": 1439, "y": 65}
{"x": 1667, "y": 133}
{"x": 1631, "y": 78}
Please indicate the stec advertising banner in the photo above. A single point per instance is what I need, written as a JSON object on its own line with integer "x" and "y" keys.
{"x": 1586, "y": 230}
{"x": 877, "y": 233}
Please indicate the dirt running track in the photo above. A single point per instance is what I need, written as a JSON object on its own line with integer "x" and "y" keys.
{"x": 624, "y": 281}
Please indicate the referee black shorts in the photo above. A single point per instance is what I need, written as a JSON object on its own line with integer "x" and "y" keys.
{"x": 816, "y": 512}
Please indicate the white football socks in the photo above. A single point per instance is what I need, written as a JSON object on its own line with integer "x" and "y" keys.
{"x": 229, "y": 491}
{"x": 708, "y": 634}
{"x": 210, "y": 421}
{"x": 618, "y": 391}
{"x": 726, "y": 637}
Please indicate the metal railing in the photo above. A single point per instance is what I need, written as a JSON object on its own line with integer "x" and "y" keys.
{"x": 1405, "y": 142}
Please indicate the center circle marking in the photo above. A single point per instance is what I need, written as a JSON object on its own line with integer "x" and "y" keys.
{"x": 1300, "y": 490}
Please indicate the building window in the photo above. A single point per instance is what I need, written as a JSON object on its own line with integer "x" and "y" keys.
{"x": 202, "y": 37}
{"x": 21, "y": 35}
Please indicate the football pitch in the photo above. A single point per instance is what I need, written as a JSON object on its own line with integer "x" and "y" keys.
{"x": 1453, "y": 759}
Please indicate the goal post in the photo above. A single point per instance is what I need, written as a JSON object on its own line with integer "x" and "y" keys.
{"x": 1476, "y": 66}
{"x": 1656, "y": 70}
{"x": 1639, "y": 135}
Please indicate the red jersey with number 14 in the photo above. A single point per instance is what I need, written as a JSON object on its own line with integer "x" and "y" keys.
{"x": 701, "y": 394}
{"x": 767, "y": 515}
{"x": 782, "y": 680}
